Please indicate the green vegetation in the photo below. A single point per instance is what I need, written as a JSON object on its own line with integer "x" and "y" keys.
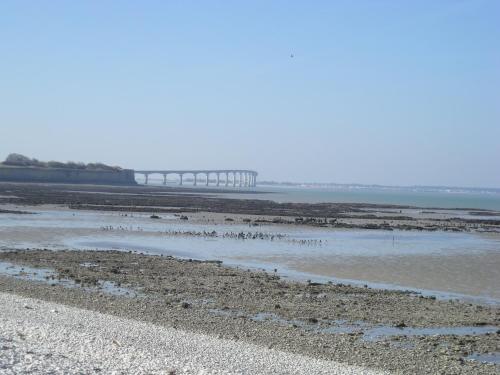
{"x": 18, "y": 160}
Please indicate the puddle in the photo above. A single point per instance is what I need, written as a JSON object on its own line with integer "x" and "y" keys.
{"x": 367, "y": 332}
{"x": 371, "y": 333}
{"x": 109, "y": 287}
{"x": 485, "y": 358}
{"x": 342, "y": 326}
{"x": 200, "y": 302}
{"x": 380, "y": 333}
{"x": 50, "y": 276}
{"x": 89, "y": 264}
{"x": 264, "y": 316}
{"x": 402, "y": 345}
{"x": 379, "y": 259}
{"x": 260, "y": 317}
{"x": 228, "y": 313}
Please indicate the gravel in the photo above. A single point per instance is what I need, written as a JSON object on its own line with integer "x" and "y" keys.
{"x": 48, "y": 338}
{"x": 323, "y": 321}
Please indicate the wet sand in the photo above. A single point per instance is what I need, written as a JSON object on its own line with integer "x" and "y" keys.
{"x": 387, "y": 330}
{"x": 457, "y": 265}
{"x": 469, "y": 275}
{"x": 393, "y": 330}
{"x": 176, "y": 200}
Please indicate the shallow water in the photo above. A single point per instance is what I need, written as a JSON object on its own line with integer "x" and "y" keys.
{"x": 412, "y": 197}
{"x": 109, "y": 228}
{"x": 459, "y": 265}
{"x": 50, "y": 276}
{"x": 486, "y": 358}
{"x": 366, "y": 331}
{"x": 489, "y": 200}
{"x": 379, "y": 333}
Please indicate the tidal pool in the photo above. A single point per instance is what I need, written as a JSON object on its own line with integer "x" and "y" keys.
{"x": 50, "y": 276}
{"x": 449, "y": 265}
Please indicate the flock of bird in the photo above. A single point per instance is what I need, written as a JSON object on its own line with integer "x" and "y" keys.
{"x": 225, "y": 235}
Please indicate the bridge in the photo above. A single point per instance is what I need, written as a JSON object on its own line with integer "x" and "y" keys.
{"x": 231, "y": 177}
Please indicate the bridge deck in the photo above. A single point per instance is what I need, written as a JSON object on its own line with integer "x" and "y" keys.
{"x": 178, "y": 171}
{"x": 246, "y": 177}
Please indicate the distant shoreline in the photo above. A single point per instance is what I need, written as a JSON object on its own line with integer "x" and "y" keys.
{"x": 419, "y": 188}
{"x": 34, "y": 174}
{"x": 259, "y": 211}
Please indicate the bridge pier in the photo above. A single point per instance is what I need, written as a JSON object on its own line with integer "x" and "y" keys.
{"x": 234, "y": 177}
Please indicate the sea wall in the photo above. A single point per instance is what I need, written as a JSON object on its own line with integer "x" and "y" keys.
{"x": 71, "y": 176}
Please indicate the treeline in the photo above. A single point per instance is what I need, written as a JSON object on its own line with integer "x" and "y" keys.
{"x": 24, "y": 161}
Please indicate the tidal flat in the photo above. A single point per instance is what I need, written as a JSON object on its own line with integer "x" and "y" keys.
{"x": 396, "y": 288}
{"x": 447, "y": 264}
{"x": 390, "y": 330}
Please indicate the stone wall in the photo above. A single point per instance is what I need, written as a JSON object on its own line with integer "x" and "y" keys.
{"x": 71, "y": 176}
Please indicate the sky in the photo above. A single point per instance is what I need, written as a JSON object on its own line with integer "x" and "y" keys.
{"x": 383, "y": 92}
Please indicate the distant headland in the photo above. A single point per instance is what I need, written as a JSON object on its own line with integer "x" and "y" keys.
{"x": 20, "y": 168}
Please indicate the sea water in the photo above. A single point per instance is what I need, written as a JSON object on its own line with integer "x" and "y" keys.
{"x": 457, "y": 264}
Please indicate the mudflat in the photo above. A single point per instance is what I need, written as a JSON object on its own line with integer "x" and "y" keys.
{"x": 388, "y": 330}
{"x": 391, "y": 330}
{"x": 185, "y": 200}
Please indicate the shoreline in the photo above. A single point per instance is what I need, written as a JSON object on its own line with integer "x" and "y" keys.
{"x": 238, "y": 240}
{"x": 304, "y": 276}
{"x": 325, "y": 321}
{"x": 57, "y": 339}
{"x": 173, "y": 200}
{"x": 389, "y": 330}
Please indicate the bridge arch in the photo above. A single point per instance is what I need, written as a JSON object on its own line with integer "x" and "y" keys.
{"x": 234, "y": 177}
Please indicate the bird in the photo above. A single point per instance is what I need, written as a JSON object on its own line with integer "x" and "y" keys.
{"x": 291, "y": 55}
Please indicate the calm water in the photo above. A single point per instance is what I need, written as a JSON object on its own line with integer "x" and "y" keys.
{"x": 489, "y": 201}
{"x": 457, "y": 264}
{"x": 419, "y": 197}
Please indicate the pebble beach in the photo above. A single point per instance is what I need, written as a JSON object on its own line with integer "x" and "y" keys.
{"x": 48, "y": 338}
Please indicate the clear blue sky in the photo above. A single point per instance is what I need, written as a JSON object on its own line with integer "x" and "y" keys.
{"x": 388, "y": 92}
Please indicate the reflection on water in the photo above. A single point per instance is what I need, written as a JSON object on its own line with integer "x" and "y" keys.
{"x": 378, "y": 333}
{"x": 488, "y": 199}
{"x": 396, "y": 336}
{"x": 50, "y": 276}
{"x": 462, "y": 263}
{"x": 366, "y": 331}
{"x": 384, "y": 196}
{"x": 486, "y": 358}
{"x": 62, "y": 218}
{"x": 131, "y": 228}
